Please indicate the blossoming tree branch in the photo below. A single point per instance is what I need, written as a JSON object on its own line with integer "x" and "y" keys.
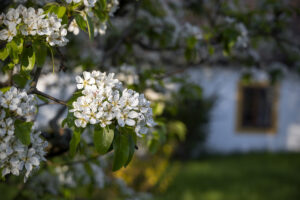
{"x": 116, "y": 114}
{"x": 113, "y": 73}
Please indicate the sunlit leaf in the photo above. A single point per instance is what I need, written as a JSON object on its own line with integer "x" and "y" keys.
{"x": 103, "y": 138}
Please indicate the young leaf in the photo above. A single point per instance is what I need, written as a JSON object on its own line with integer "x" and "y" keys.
{"x": 49, "y": 8}
{"x": 4, "y": 53}
{"x": 5, "y": 89}
{"x": 90, "y": 26}
{"x": 80, "y": 22}
{"x": 60, "y": 11}
{"x": 23, "y": 130}
{"x": 15, "y": 49}
{"x": 103, "y": 138}
{"x": 75, "y": 141}
{"x": 121, "y": 151}
{"x": 28, "y": 59}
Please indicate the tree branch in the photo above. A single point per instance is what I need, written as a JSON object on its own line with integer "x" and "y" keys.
{"x": 36, "y": 91}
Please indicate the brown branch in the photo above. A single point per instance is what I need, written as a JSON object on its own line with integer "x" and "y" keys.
{"x": 36, "y": 91}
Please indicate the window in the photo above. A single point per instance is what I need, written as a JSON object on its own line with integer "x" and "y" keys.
{"x": 257, "y": 108}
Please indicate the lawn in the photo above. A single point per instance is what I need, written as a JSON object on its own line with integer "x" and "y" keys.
{"x": 237, "y": 177}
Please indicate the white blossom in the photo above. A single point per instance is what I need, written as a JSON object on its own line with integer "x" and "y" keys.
{"x": 19, "y": 102}
{"x": 31, "y": 22}
{"x": 104, "y": 101}
{"x": 14, "y": 155}
{"x": 8, "y": 34}
{"x": 74, "y": 27}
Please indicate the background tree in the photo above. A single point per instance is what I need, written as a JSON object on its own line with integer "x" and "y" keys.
{"x": 149, "y": 44}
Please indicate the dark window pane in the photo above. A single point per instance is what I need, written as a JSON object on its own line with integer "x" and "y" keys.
{"x": 257, "y": 107}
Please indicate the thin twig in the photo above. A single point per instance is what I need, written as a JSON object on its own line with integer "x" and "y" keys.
{"x": 36, "y": 91}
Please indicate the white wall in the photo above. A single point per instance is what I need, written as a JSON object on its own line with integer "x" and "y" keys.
{"x": 222, "y": 136}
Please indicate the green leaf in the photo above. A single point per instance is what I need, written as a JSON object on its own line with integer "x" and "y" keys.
{"x": 75, "y": 141}
{"x": 69, "y": 120}
{"x": 80, "y": 22}
{"x": 121, "y": 150}
{"x": 15, "y": 48}
{"x": 60, "y": 11}
{"x": 4, "y": 53}
{"x": 90, "y": 26}
{"x": 40, "y": 50}
{"x": 103, "y": 138}
{"x": 65, "y": 19}
{"x": 49, "y": 8}
{"x": 23, "y": 130}
{"x": 131, "y": 142}
{"x": 102, "y": 4}
{"x": 20, "y": 79}
{"x": 55, "y": 8}
{"x": 28, "y": 59}
{"x": 5, "y": 89}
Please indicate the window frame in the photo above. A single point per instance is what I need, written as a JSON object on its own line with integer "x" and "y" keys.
{"x": 239, "y": 109}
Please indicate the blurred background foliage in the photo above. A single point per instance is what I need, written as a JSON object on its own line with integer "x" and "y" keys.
{"x": 157, "y": 41}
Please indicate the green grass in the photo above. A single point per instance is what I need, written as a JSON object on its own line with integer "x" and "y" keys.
{"x": 237, "y": 177}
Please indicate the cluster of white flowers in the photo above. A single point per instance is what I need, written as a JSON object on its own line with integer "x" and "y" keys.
{"x": 104, "y": 101}
{"x": 28, "y": 21}
{"x": 14, "y": 155}
{"x": 19, "y": 103}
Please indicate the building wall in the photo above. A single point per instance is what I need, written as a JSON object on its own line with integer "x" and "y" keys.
{"x": 223, "y": 137}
